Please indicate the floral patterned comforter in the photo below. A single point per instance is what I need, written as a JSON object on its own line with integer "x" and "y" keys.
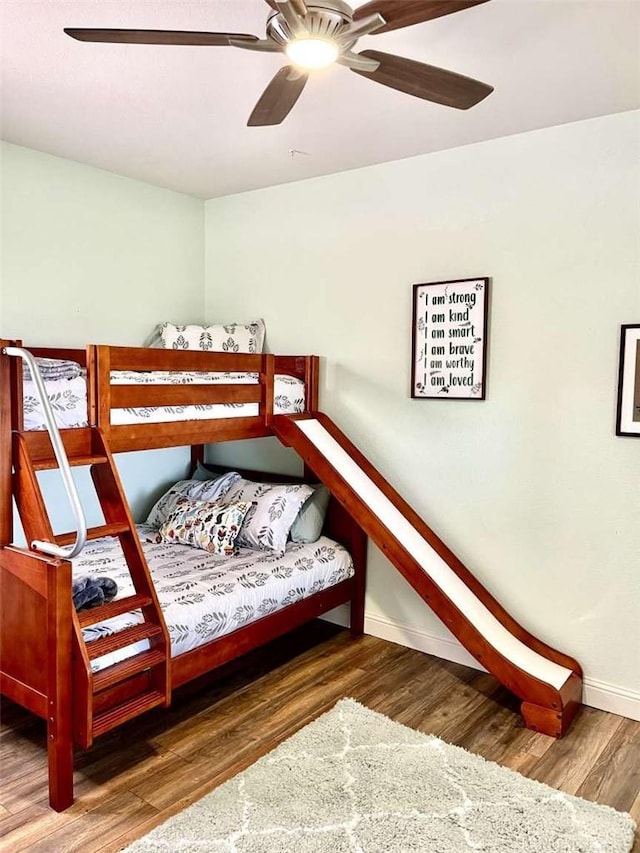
{"x": 69, "y": 399}
{"x": 205, "y": 596}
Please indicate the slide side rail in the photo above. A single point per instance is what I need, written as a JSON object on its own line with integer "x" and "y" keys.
{"x": 548, "y": 681}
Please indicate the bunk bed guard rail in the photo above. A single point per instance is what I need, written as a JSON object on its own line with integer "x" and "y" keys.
{"x": 69, "y": 551}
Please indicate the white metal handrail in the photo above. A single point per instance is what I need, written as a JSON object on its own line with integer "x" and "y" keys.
{"x": 66, "y": 553}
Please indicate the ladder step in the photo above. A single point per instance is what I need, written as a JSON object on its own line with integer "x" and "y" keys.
{"x": 74, "y": 461}
{"x": 95, "y": 532}
{"x": 113, "y": 608}
{"x": 121, "y": 639}
{"x": 126, "y": 668}
{"x": 127, "y": 711}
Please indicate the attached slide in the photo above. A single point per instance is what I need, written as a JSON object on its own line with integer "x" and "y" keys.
{"x": 548, "y": 682}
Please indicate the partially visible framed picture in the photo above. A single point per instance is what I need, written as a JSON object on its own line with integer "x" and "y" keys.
{"x": 449, "y": 340}
{"x": 628, "y": 419}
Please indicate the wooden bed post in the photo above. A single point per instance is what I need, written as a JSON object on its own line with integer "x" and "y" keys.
{"x": 340, "y": 525}
{"x": 59, "y": 693}
{"x": 6, "y": 506}
{"x": 268, "y": 377}
{"x": 101, "y": 358}
{"x": 92, "y": 389}
{"x": 312, "y": 376}
{"x": 358, "y": 550}
{"x": 197, "y": 455}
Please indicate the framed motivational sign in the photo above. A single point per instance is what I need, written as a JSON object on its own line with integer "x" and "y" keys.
{"x": 628, "y": 419}
{"x": 449, "y": 339}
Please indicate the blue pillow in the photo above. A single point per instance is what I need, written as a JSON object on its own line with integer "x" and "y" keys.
{"x": 309, "y": 522}
{"x": 203, "y": 474}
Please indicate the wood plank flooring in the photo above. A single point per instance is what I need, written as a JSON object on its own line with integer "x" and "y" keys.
{"x": 137, "y": 776}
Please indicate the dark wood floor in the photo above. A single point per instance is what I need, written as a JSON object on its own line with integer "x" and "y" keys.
{"x": 133, "y": 779}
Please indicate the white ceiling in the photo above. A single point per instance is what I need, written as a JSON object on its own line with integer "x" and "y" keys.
{"x": 176, "y": 116}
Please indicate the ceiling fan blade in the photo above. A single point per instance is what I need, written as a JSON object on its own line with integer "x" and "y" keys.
{"x": 299, "y": 6}
{"x": 425, "y": 81}
{"x": 176, "y": 37}
{"x": 405, "y": 13}
{"x": 278, "y": 98}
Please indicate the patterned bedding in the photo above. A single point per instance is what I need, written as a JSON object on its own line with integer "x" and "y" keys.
{"x": 204, "y": 596}
{"x": 69, "y": 399}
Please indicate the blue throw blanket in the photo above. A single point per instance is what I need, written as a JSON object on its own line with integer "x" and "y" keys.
{"x": 92, "y": 592}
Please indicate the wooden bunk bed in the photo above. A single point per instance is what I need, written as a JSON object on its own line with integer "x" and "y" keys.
{"x": 45, "y": 663}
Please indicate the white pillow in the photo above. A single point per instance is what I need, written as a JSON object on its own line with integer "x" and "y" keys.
{"x": 230, "y": 337}
{"x": 208, "y": 490}
{"x": 267, "y": 524}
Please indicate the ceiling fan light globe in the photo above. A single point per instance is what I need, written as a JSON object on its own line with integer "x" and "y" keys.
{"x": 312, "y": 53}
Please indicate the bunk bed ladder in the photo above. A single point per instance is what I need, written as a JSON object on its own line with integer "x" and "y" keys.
{"x": 121, "y": 691}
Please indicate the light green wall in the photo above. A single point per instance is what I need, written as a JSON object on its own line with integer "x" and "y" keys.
{"x": 531, "y": 488}
{"x": 89, "y": 256}
{"x": 92, "y": 257}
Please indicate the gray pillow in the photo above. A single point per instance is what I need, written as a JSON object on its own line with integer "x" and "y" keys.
{"x": 154, "y": 340}
{"x": 308, "y": 524}
{"x": 204, "y": 474}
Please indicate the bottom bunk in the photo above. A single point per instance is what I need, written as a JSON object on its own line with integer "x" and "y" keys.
{"x": 205, "y": 596}
{"x": 72, "y": 668}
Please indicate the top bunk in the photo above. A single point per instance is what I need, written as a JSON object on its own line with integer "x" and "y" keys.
{"x": 143, "y": 398}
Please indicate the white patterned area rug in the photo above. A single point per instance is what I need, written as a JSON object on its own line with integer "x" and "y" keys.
{"x": 353, "y": 781}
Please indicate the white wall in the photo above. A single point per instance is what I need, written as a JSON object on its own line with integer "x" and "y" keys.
{"x": 531, "y": 488}
{"x": 92, "y": 257}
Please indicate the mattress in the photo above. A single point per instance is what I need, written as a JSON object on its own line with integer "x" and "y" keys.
{"x": 68, "y": 399}
{"x": 205, "y": 596}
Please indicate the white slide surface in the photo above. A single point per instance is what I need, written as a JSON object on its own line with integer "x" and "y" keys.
{"x": 431, "y": 563}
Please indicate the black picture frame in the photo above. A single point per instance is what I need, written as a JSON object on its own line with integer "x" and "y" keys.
{"x": 628, "y": 409}
{"x": 449, "y": 338}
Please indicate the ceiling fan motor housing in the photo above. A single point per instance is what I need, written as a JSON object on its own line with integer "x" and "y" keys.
{"x": 325, "y": 19}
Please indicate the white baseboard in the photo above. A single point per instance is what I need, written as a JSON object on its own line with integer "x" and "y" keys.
{"x": 612, "y": 698}
{"x": 405, "y": 635}
{"x": 414, "y": 638}
{"x": 597, "y": 694}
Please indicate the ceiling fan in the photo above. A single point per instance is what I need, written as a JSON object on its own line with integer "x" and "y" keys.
{"x": 316, "y": 33}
